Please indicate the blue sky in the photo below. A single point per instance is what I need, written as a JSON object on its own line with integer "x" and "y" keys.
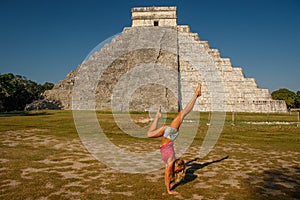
{"x": 45, "y": 39}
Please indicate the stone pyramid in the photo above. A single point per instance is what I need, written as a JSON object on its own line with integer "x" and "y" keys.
{"x": 157, "y": 62}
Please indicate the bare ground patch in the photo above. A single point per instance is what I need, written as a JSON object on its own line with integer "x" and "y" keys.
{"x": 52, "y": 168}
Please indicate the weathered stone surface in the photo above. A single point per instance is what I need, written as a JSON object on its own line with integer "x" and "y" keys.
{"x": 43, "y": 104}
{"x": 62, "y": 91}
{"x": 149, "y": 65}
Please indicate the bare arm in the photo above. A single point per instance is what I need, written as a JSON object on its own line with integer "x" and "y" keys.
{"x": 168, "y": 178}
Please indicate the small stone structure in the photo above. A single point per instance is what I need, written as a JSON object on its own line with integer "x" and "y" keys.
{"x": 62, "y": 91}
{"x": 156, "y": 41}
{"x": 43, "y": 104}
{"x": 154, "y": 16}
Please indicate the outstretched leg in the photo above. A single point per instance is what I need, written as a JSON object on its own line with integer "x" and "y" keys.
{"x": 153, "y": 132}
{"x": 188, "y": 108}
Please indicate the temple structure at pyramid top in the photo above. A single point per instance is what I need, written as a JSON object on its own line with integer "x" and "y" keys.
{"x": 154, "y": 16}
{"x": 149, "y": 48}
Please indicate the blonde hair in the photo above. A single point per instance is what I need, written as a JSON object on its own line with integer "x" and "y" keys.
{"x": 176, "y": 177}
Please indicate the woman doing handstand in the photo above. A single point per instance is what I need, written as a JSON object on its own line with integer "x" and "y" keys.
{"x": 169, "y": 134}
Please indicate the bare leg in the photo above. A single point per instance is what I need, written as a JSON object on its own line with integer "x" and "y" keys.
{"x": 188, "y": 108}
{"x": 153, "y": 132}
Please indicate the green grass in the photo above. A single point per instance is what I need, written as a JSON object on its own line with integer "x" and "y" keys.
{"x": 42, "y": 156}
{"x": 60, "y": 123}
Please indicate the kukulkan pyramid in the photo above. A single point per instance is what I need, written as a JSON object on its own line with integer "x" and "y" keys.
{"x": 157, "y": 62}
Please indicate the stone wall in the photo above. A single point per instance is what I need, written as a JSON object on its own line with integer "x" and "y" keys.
{"x": 146, "y": 95}
{"x": 242, "y": 94}
{"x": 146, "y": 57}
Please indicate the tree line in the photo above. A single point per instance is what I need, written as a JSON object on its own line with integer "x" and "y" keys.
{"x": 16, "y": 91}
{"x": 291, "y": 99}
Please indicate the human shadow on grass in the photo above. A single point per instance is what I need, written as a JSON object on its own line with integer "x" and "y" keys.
{"x": 192, "y": 167}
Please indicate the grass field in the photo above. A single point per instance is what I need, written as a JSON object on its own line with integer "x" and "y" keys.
{"x": 42, "y": 157}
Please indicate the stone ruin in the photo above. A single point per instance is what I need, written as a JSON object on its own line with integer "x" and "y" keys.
{"x": 156, "y": 44}
{"x": 43, "y": 104}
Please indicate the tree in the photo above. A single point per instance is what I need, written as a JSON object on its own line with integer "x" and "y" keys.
{"x": 17, "y": 91}
{"x": 297, "y": 100}
{"x": 48, "y": 86}
{"x": 286, "y": 95}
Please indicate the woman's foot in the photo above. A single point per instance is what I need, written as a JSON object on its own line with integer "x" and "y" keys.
{"x": 173, "y": 192}
{"x": 198, "y": 90}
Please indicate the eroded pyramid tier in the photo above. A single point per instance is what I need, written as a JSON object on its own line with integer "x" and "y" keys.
{"x": 147, "y": 66}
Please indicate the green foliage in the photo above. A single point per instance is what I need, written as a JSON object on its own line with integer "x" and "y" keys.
{"x": 16, "y": 91}
{"x": 48, "y": 86}
{"x": 297, "y": 100}
{"x": 291, "y": 99}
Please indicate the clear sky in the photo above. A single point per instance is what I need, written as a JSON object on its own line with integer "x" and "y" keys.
{"x": 45, "y": 39}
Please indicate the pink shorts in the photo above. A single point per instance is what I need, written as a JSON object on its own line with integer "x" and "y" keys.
{"x": 167, "y": 151}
